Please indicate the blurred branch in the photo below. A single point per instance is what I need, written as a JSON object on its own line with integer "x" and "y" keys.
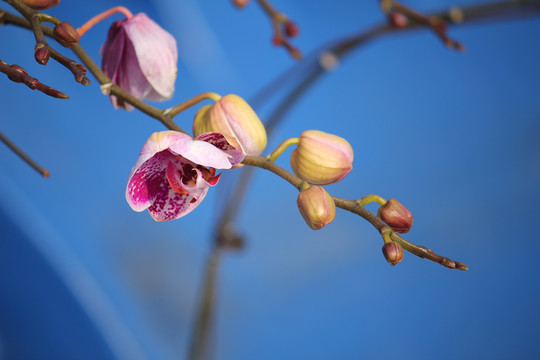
{"x": 283, "y": 29}
{"x": 44, "y": 172}
{"x": 203, "y": 322}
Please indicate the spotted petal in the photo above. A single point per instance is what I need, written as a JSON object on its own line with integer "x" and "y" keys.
{"x": 148, "y": 180}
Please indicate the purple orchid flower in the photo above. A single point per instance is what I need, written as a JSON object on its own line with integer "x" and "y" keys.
{"x": 140, "y": 57}
{"x": 174, "y": 171}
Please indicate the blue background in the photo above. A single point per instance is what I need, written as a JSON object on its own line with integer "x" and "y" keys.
{"x": 454, "y": 136}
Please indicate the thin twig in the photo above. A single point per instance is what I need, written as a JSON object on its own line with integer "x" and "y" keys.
{"x": 113, "y": 89}
{"x": 40, "y": 169}
{"x": 278, "y": 20}
{"x": 39, "y": 30}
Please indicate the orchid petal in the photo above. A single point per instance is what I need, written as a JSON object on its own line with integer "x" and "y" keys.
{"x": 157, "y": 55}
{"x": 170, "y": 205}
{"x": 147, "y": 181}
{"x": 158, "y": 142}
{"x": 221, "y": 142}
{"x": 204, "y": 153}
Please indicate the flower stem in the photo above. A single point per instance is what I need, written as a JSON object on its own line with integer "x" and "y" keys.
{"x": 281, "y": 148}
{"x": 386, "y": 232}
{"x": 371, "y": 198}
{"x": 172, "y": 112}
{"x": 96, "y": 19}
{"x": 47, "y": 18}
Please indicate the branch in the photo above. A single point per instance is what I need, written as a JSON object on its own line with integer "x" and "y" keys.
{"x": 354, "y": 207}
{"x": 44, "y": 172}
{"x": 33, "y": 19}
{"x": 19, "y": 75}
{"x": 108, "y": 88}
{"x": 283, "y": 29}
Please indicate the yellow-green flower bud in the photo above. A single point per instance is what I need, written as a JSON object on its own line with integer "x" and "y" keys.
{"x": 321, "y": 158}
{"x": 232, "y": 117}
{"x": 316, "y": 206}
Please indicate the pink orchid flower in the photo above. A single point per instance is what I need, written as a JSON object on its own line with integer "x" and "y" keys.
{"x": 140, "y": 57}
{"x": 174, "y": 171}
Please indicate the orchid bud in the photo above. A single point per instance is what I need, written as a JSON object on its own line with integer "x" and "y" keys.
{"x": 42, "y": 55}
{"x": 234, "y": 118}
{"x": 291, "y": 29}
{"x": 397, "y": 216}
{"x": 316, "y": 206}
{"x": 398, "y": 19}
{"x": 66, "y": 34}
{"x": 321, "y": 158}
{"x": 148, "y": 69}
{"x": 19, "y": 70}
{"x": 40, "y": 4}
{"x": 240, "y": 3}
{"x": 393, "y": 252}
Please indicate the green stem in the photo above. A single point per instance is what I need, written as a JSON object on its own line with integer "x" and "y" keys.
{"x": 281, "y": 148}
{"x": 172, "y": 112}
{"x": 47, "y": 18}
{"x": 386, "y": 232}
{"x": 371, "y": 198}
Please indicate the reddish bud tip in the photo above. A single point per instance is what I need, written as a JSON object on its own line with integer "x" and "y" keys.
{"x": 240, "y": 3}
{"x": 42, "y": 55}
{"x": 277, "y": 40}
{"x": 393, "y": 252}
{"x": 397, "y": 216}
{"x": 66, "y": 34}
{"x": 291, "y": 29}
{"x": 397, "y": 19}
{"x": 20, "y": 71}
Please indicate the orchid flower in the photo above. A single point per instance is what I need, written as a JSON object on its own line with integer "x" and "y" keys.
{"x": 174, "y": 171}
{"x": 140, "y": 57}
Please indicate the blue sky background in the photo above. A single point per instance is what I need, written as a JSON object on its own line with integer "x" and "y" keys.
{"x": 454, "y": 136}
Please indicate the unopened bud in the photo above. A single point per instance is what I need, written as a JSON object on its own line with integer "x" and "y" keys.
{"x": 66, "y": 34}
{"x": 316, "y": 206}
{"x": 321, "y": 158}
{"x": 277, "y": 40}
{"x": 42, "y": 55}
{"x": 19, "y": 70}
{"x": 291, "y": 29}
{"x": 234, "y": 118}
{"x": 40, "y": 4}
{"x": 393, "y": 252}
{"x": 240, "y": 3}
{"x": 398, "y": 19}
{"x": 397, "y": 216}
